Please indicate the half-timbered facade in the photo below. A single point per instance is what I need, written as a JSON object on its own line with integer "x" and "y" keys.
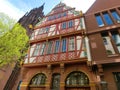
{"x": 57, "y": 57}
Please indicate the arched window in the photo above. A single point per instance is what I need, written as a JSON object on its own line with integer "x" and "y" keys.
{"x": 77, "y": 79}
{"x": 38, "y": 79}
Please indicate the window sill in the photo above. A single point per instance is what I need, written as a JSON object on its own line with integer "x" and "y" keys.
{"x": 42, "y": 86}
{"x": 71, "y": 86}
{"x": 115, "y": 55}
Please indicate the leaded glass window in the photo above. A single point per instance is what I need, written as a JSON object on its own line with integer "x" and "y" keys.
{"x": 70, "y": 24}
{"x": 71, "y": 44}
{"x": 49, "y": 51}
{"x": 36, "y": 51}
{"x": 64, "y": 25}
{"x": 57, "y": 45}
{"x": 42, "y": 48}
{"x": 38, "y": 79}
{"x": 77, "y": 78}
{"x": 64, "y": 41}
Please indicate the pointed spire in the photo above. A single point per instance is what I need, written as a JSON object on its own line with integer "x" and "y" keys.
{"x": 42, "y": 7}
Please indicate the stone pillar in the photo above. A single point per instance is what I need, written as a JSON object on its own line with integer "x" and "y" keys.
{"x": 24, "y": 86}
{"x": 92, "y": 85}
{"x": 62, "y": 81}
{"x": 49, "y": 76}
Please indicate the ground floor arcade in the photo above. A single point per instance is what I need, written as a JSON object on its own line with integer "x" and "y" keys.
{"x": 75, "y": 76}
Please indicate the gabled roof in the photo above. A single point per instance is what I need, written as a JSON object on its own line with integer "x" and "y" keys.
{"x": 60, "y": 8}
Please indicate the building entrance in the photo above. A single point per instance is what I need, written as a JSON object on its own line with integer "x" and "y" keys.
{"x": 55, "y": 82}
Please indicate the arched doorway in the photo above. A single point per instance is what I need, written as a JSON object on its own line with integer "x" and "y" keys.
{"x": 38, "y": 82}
{"x": 77, "y": 81}
{"x": 55, "y": 82}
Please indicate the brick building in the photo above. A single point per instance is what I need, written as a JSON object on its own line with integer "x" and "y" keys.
{"x": 103, "y": 30}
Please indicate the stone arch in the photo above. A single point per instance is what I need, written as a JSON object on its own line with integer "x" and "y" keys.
{"x": 77, "y": 78}
{"x": 38, "y": 79}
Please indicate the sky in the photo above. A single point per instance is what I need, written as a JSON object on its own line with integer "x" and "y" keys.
{"x": 17, "y": 8}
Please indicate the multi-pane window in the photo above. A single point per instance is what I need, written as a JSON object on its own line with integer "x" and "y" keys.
{"x": 116, "y": 39}
{"x": 49, "y": 51}
{"x": 70, "y": 24}
{"x": 36, "y": 51}
{"x": 99, "y": 20}
{"x": 47, "y": 29}
{"x": 108, "y": 44}
{"x": 57, "y": 45}
{"x": 44, "y": 30}
{"x": 42, "y": 48}
{"x": 39, "y": 79}
{"x": 116, "y": 16}
{"x": 64, "y": 25}
{"x": 107, "y": 18}
{"x": 64, "y": 41}
{"x": 71, "y": 44}
{"x": 64, "y": 14}
{"x": 77, "y": 79}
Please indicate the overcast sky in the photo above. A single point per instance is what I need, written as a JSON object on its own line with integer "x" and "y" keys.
{"x": 17, "y": 8}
